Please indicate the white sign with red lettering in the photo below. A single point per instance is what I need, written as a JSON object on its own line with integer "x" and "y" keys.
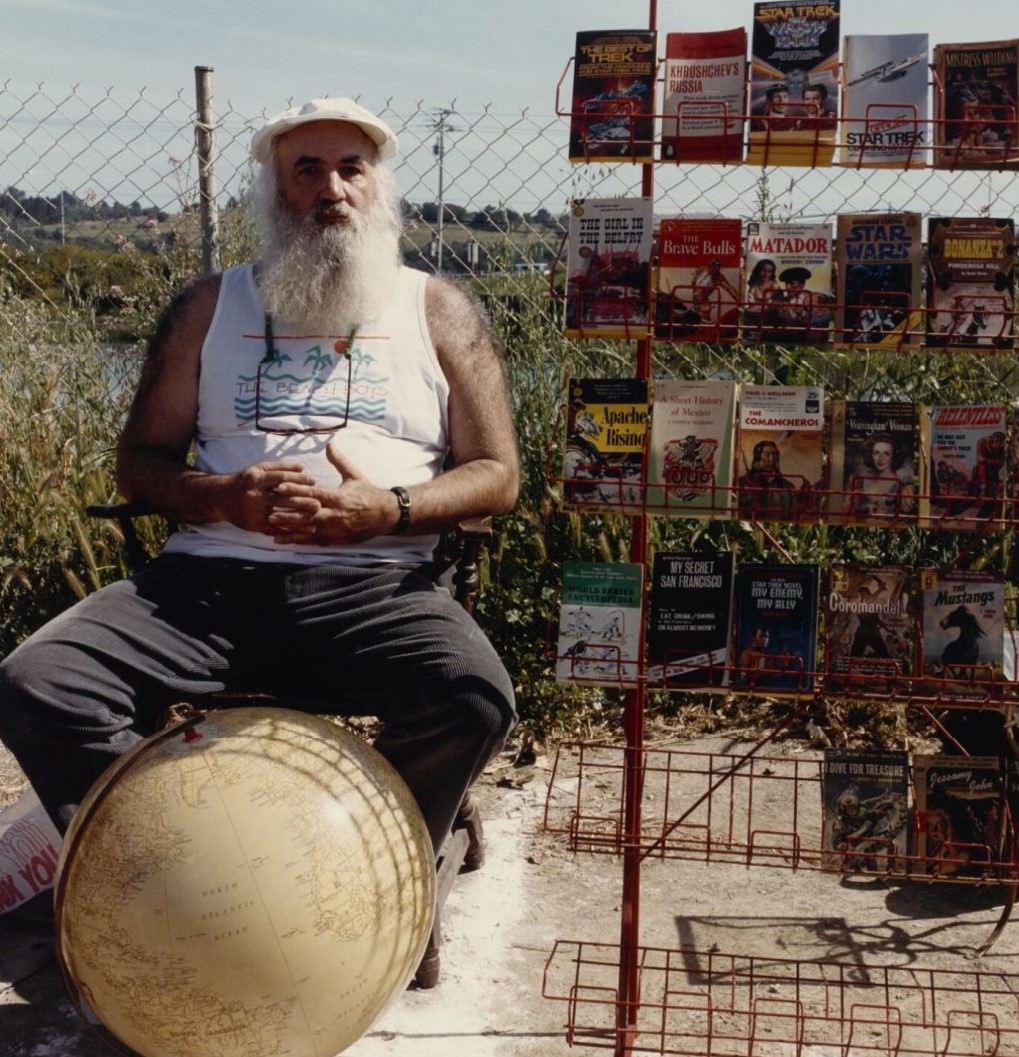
{"x": 29, "y": 851}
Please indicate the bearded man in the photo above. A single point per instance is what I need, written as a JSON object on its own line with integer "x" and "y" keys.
{"x": 312, "y": 422}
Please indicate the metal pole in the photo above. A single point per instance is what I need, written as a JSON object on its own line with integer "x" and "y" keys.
{"x": 205, "y": 140}
{"x": 440, "y": 150}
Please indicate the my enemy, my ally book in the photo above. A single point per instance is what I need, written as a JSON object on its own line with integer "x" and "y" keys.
{"x": 613, "y": 103}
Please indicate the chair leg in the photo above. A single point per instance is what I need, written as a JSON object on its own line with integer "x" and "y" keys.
{"x": 427, "y": 975}
{"x": 446, "y": 868}
{"x": 469, "y": 818}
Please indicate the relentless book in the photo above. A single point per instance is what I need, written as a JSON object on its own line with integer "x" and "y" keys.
{"x": 613, "y": 102}
{"x": 970, "y": 296}
{"x": 690, "y": 620}
{"x": 600, "y": 623}
{"x": 608, "y": 267}
{"x": 705, "y": 96}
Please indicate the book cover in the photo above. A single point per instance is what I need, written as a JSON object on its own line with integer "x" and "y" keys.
{"x": 779, "y": 451}
{"x": 788, "y": 269}
{"x": 865, "y": 811}
{"x": 608, "y": 267}
{"x": 975, "y": 90}
{"x": 606, "y": 427}
{"x": 691, "y": 448}
{"x": 705, "y": 96}
{"x": 964, "y": 450}
{"x": 884, "y": 101}
{"x": 870, "y": 629}
{"x": 959, "y": 816}
{"x": 793, "y": 84}
{"x": 879, "y": 264}
{"x": 971, "y": 265}
{"x": 613, "y": 102}
{"x": 689, "y": 625}
{"x": 775, "y": 628}
{"x": 872, "y": 463}
{"x": 600, "y": 623}
{"x": 697, "y": 294}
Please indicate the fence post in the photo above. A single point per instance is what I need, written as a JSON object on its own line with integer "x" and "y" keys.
{"x": 205, "y": 140}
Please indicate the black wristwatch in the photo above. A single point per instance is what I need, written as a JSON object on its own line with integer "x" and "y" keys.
{"x": 403, "y": 498}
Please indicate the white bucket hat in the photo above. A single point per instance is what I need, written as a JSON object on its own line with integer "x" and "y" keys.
{"x": 324, "y": 110}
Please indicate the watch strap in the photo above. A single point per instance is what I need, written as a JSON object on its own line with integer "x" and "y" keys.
{"x": 403, "y": 498}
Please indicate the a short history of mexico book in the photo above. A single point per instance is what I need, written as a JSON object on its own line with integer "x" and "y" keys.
{"x": 613, "y": 102}
{"x": 779, "y": 451}
{"x": 690, "y": 454}
{"x": 869, "y": 629}
{"x": 884, "y": 101}
{"x": 608, "y": 267}
{"x": 964, "y": 450}
{"x": 775, "y": 629}
{"x": 865, "y": 811}
{"x": 600, "y": 616}
{"x": 976, "y": 86}
{"x": 872, "y": 463}
{"x": 788, "y": 283}
{"x": 606, "y": 428}
{"x": 697, "y": 288}
{"x": 970, "y": 282}
{"x": 879, "y": 265}
{"x": 690, "y": 620}
{"x": 705, "y": 96}
{"x": 793, "y": 84}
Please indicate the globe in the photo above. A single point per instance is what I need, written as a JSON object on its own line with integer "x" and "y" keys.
{"x": 255, "y": 882}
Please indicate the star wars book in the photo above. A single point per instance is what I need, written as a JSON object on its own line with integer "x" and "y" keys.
{"x": 705, "y": 96}
{"x": 613, "y": 101}
{"x": 608, "y": 268}
{"x": 879, "y": 264}
{"x": 884, "y": 101}
{"x": 793, "y": 84}
{"x": 975, "y": 91}
{"x": 697, "y": 289}
{"x": 606, "y": 427}
{"x": 691, "y": 449}
{"x": 775, "y": 629}
{"x": 690, "y": 620}
{"x": 600, "y": 623}
{"x": 788, "y": 283}
{"x": 779, "y": 460}
{"x": 865, "y": 811}
{"x": 970, "y": 297}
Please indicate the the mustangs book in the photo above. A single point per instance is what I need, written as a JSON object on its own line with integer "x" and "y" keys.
{"x": 600, "y": 623}
{"x": 879, "y": 264}
{"x": 608, "y": 267}
{"x": 970, "y": 295}
{"x": 884, "y": 101}
{"x": 613, "y": 102}
{"x": 691, "y": 448}
{"x": 705, "y": 96}
{"x": 690, "y": 620}
{"x": 865, "y": 811}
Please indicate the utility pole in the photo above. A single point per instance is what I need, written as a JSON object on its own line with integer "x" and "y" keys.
{"x": 440, "y": 126}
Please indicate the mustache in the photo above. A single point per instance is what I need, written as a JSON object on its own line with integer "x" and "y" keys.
{"x": 333, "y": 211}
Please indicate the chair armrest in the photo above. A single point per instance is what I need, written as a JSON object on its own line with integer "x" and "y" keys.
{"x": 124, "y": 514}
{"x": 474, "y": 535}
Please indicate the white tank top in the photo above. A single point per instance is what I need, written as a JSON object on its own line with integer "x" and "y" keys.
{"x": 390, "y": 392}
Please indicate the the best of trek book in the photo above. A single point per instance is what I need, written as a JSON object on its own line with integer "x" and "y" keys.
{"x": 884, "y": 101}
{"x": 793, "y": 84}
{"x": 879, "y": 265}
{"x": 697, "y": 289}
{"x": 691, "y": 448}
{"x": 612, "y": 106}
{"x": 869, "y": 629}
{"x": 705, "y": 96}
{"x": 608, "y": 267}
{"x": 865, "y": 811}
{"x": 600, "y": 617}
{"x": 779, "y": 456}
{"x": 976, "y": 86}
{"x": 689, "y": 624}
{"x": 963, "y": 452}
{"x": 970, "y": 291}
{"x": 775, "y": 629}
{"x": 606, "y": 429}
{"x": 788, "y": 283}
